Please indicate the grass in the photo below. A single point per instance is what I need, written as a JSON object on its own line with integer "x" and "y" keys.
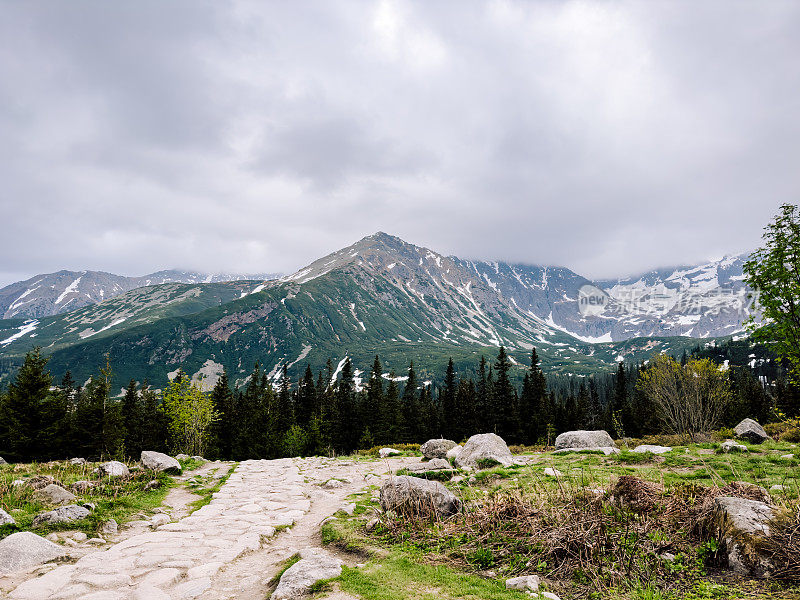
{"x": 471, "y": 556}
{"x": 119, "y": 498}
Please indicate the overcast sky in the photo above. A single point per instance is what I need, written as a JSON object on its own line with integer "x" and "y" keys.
{"x": 608, "y": 137}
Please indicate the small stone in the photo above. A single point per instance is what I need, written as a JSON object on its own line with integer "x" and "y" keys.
{"x": 349, "y": 509}
{"x": 6, "y": 519}
{"x": 551, "y": 472}
{"x": 384, "y": 452}
{"x": 158, "y": 520}
{"x": 333, "y": 484}
{"x": 53, "y": 537}
{"x": 55, "y": 494}
{"x": 65, "y": 514}
{"x": 82, "y": 487}
{"x": 776, "y": 488}
{"x": 97, "y": 541}
{"x": 110, "y": 527}
{"x": 151, "y": 485}
{"x": 787, "y": 456}
{"x": 652, "y": 449}
{"x": 79, "y": 536}
{"x": 371, "y": 524}
{"x": 731, "y": 446}
{"x": 113, "y": 468}
{"x": 549, "y": 595}
{"x": 525, "y": 583}
{"x": 77, "y": 461}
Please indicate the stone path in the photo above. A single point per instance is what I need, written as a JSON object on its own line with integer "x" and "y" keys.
{"x": 226, "y": 549}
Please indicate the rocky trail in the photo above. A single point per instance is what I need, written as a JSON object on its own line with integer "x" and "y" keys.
{"x": 267, "y": 511}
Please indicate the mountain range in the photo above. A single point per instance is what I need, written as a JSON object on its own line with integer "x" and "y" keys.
{"x": 63, "y": 291}
{"x": 381, "y": 296}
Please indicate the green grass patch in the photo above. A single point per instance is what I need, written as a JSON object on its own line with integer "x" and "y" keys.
{"x": 399, "y": 577}
{"x": 119, "y": 498}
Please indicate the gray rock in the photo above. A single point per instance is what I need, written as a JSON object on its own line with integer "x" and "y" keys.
{"x": 314, "y": 565}
{"x": 584, "y": 439}
{"x": 384, "y": 452}
{"x": 454, "y": 451}
{"x": 82, "y": 486}
{"x": 751, "y": 431}
{"x": 651, "y": 448}
{"x": 110, "y": 527}
{"x": 552, "y": 472}
{"x": 152, "y": 485}
{"x": 484, "y": 446}
{"x": 743, "y": 525}
{"x": 436, "y": 464}
{"x": 436, "y": 448}
{"x": 64, "y": 514}
{"x": 198, "y": 458}
{"x": 3, "y": 461}
{"x": 6, "y": 519}
{"x": 113, "y": 468}
{"x": 607, "y": 450}
{"x": 182, "y": 456}
{"x": 549, "y": 596}
{"x": 24, "y": 550}
{"x": 55, "y": 494}
{"x": 349, "y": 508}
{"x": 417, "y": 496}
{"x": 527, "y": 583}
{"x": 333, "y": 484}
{"x": 40, "y": 481}
{"x": 731, "y": 446}
{"x": 156, "y": 461}
{"x": 77, "y": 461}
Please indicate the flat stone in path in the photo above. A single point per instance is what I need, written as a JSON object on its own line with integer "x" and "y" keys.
{"x": 314, "y": 565}
{"x": 179, "y": 560}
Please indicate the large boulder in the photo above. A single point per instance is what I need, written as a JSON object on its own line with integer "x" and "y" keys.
{"x": 156, "y": 461}
{"x": 484, "y": 447}
{"x": 584, "y": 439}
{"x": 3, "y": 461}
{"x": 436, "y": 448}
{"x": 454, "y": 452}
{"x": 6, "y": 519}
{"x": 113, "y": 468}
{"x": 64, "y": 514}
{"x": 418, "y": 497}
{"x": 24, "y": 550}
{"x": 743, "y": 526}
{"x": 55, "y": 494}
{"x": 749, "y": 430}
{"x": 298, "y": 580}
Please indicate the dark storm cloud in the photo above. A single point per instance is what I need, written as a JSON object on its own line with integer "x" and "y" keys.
{"x": 606, "y": 136}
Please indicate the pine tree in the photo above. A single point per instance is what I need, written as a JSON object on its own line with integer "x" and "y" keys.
{"x": 132, "y": 420}
{"x": 24, "y": 410}
{"x": 411, "y": 409}
{"x": 154, "y": 432}
{"x": 482, "y": 400}
{"x": 307, "y": 405}
{"x": 347, "y": 431}
{"x": 466, "y": 400}
{"x": 222, "y": 430}
{"x": 392, "y": 411}
{"x": 451, "y": 416}
{"x": 373, "y": 416}
{"x": 506, "y": 400}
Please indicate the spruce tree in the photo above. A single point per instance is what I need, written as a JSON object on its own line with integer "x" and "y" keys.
{"x": 24, "y": 410}
{"x": 451, "y": 417}
{"x": 132, "y": 421}
{"x": 372, "y": 410}
{"x": 411, "y": 409}
{"x": 222, "y": 430}
{"x": 506, "y": 400}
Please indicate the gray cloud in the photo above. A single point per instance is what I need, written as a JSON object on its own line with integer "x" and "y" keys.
{"x": 245, "y": 136}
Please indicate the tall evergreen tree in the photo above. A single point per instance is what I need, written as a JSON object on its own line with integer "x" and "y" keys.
{"x": 451, "y": 416}
{"x": 506, "y": 400}
{"x": 23, "y": 411}
{"x": 411, "y": 409}
{"x": 223, "y": 429}
{"x": 132, "y": 421}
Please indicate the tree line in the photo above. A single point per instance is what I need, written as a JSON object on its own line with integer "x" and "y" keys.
{"x": 331, "y": 414}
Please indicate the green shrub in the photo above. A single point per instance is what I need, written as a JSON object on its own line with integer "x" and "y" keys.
{"x": 791, "y": 435}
